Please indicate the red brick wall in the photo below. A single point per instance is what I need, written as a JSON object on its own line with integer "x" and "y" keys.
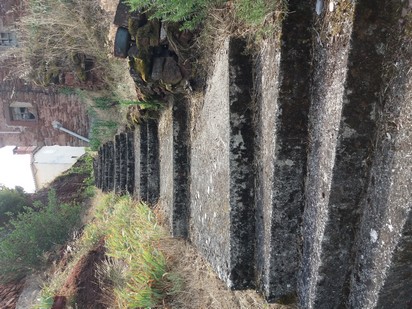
{"x": 48, "y": 103}
{"x": 49, "y": 106}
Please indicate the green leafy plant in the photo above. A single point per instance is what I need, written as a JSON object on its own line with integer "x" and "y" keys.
{"x": 32, "y": 233}
{"x": 12, "y": 201}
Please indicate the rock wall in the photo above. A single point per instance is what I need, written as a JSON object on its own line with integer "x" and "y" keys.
{"x": 296, "y": 168}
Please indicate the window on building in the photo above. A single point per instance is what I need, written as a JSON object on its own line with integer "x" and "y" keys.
{"x": 22, "y": 111}
{"x": 7, "y": 39}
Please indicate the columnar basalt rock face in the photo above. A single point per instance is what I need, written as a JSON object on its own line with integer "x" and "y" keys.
{"x": 382, "y": 269}
{"x": 130, "y": 180}
{"x": 123, "y": 162}
{"x": 175, "y": 165}
{"x": 153, "y": 177}
{"x": 117, "y": 164}
{"x": 339, "y": 163}
{"x": 181, "y": 168}
{"x": 141, "y": 174}
{"x": 105, "y": 166}
{"x": 282, "y": 159}
{"x": 339, "y": 146}
{"x": 305, "y": 193}
{"x": 221, "y": 170}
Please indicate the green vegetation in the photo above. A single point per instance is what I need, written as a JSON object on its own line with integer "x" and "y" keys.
{"x": 136, "y": 272}
{"x": 136, "y": 267}
{"x": 12, "y": 201}
{"x": 191, "y": 13}
{"x": 253, "y": 12}
{"x": 33, "y": 232}
{"x": 84, "y": 166}
{"x": 101, "y": 131}
{"x": 106, "y": 103}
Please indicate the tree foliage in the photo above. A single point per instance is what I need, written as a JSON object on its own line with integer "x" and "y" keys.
{"x": 33, "y": 232}
{"x": 12, "y": 201}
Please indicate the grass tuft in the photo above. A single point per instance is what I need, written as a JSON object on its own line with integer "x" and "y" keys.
{"x": 131, "y": 236}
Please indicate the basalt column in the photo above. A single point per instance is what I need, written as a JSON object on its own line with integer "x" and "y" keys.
{"x": 382, "y": 276}
{"x": 281, "y": 159}
{"x": 222, "y": 175}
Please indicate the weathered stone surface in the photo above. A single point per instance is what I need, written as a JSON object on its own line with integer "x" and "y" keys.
{"x": 166, "y": 161}
{"x": 383, "y": 255}
{"x": 153, "y": 176}
{"x": 130, "y": 180}
{"x": 157, "y": 68}
{"x": 283, "y": 117}
{"x": 222, "y": 171}
{"x": 341, "y": 131}
{"x": 123, "y": 162}
{"x": 175, "y": 165}
{"x": 171, "y": 72}
{"x": 117, "y": 164}
{"x": 140, "y": 150}
{"x": 342, "y": 145}
{"x": 109, "y": 166}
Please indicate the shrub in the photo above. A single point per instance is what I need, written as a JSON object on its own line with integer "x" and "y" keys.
{"x": 34, "y": 232}
{"x": 12, "y": 201}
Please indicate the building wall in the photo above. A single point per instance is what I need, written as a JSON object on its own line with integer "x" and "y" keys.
{"x": 50, "y": 162}
{"x": 46, "y": 104}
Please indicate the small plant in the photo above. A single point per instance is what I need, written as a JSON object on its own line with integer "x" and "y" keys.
{"x": 104, "y": 103}
{"x": 102, "y": 131}
{"x": 148, "y": 105}
{"x": 66, "y": 90}
{"x": 84, "y": 166}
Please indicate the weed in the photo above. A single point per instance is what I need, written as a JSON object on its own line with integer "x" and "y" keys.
{"x": 251, "y": 12}
{"x": 104, "y": 103}
{"x": 148, "y": 105}
{"x": 84, "y": 166}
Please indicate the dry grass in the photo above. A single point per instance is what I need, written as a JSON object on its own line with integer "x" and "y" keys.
{"x": 227, "y": 21}
{"x": 202, "y": 288}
